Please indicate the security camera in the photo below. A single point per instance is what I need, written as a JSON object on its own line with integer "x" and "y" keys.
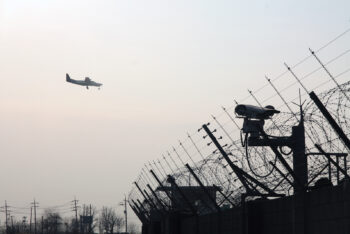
{"x": 255, "y": 112}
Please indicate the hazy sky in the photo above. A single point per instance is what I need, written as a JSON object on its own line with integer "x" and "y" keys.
{"x": 165, "y": 65}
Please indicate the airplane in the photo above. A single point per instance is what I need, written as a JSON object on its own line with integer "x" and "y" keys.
{"x": 87, "y": 82}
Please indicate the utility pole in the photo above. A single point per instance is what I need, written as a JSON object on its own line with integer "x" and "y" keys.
{"x": 90, "y": 223}
{"x": 24, "y": 220}
{"x": 24, "y": 224}
{"x": 75, "y": 209}
{"x": 42, "y": 224}
{"x": 30, "y": 220}
{"x": 35, "y": 205}
{"x": 12, "y": 223}
{"x": 6, "y": 215}
{"x": 125, "y": 213}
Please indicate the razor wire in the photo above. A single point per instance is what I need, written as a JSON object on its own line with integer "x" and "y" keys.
{"x": 208, "y": 164}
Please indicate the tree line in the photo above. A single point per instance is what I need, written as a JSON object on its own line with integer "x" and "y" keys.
{"x": 87, "y": 221}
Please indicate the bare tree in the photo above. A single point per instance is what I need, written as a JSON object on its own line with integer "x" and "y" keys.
{"x": 16, "y": 226}
{"x": 133, "y": 228}
{"x": 109, "y": 220}
{"x": 120, "y": 223}
{"x": 51, "y": 222}
{"x": 88, "y": 219}
{"x": 69, "y": 224}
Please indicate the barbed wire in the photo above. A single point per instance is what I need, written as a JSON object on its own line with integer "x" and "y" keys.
{"x": 208, "y": 164}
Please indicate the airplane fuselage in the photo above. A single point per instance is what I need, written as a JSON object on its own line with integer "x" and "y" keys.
{"x": 87, "y": 82}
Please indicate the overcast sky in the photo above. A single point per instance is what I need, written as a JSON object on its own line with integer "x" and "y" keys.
{"x": 165, "y": 65}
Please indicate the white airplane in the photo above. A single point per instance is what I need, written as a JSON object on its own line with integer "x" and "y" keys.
{"x": 87, "y": 82}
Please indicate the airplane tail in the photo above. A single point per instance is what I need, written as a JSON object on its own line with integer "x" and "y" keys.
{"x": 67, "y": 77}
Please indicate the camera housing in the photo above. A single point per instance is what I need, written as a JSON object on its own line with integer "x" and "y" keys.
{"x": 254, "y": 118}
{"x": 255, "y": 112}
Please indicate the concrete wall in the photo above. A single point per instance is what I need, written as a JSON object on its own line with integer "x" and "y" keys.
{"x": 323, "y": 211}
{"x": 329, "y": 210}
